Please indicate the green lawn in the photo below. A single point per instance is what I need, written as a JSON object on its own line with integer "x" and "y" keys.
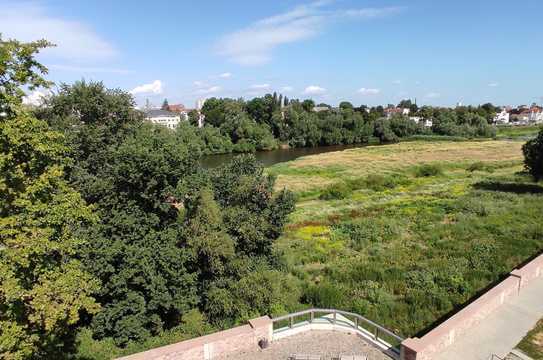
{"x": 517, "y": 131}
{"x": 405, "y": 243}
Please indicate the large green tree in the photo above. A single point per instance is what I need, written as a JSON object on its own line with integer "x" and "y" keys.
{"x": 19, "y": 68}
{"x": 43, "y": 285}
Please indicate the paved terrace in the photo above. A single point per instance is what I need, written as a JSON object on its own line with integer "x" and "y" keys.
{"x": 327, "y": 344}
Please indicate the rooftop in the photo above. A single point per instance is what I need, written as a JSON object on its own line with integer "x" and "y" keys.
{"x": 159, "y": 113}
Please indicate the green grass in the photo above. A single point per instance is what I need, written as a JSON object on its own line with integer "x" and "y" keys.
{"x": 513, "y": 132}
{"x": 532, "y": 344}
{"x": 406, "y": 245}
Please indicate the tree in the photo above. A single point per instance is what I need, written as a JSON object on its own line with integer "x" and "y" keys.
{"x": 194, "y": 117}
{"x": 43, "y": 285}
{"x": 18, "y": 68}
{"x": 165, "y": 105}
{"x": 211, "y": 245}
{"x": 533, "y": 156}
{"x": 345, "y": 105}
{"x": 308, "y": 105}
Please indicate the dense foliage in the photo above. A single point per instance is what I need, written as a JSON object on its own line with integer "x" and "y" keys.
{"x": 263, "y": 122}
{"x": 111, "y": 225}
{"x": 43, "y": 285}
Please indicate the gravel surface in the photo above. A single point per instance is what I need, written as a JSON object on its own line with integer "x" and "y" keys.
{"x": 327, "y": 344}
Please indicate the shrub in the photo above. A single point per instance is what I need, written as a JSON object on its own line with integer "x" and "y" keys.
{"x": 378, "y": 182}
{"x": 427, "y": 170}
{"x": 533, "y": 156}
{"x": 336, "y": 191}
{"x": 244, "y": 146}
{"x": 480, "y": 166}
{"x": 324, "y": 295}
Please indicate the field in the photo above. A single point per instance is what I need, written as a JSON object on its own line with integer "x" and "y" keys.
{"x": 406, "y": 233}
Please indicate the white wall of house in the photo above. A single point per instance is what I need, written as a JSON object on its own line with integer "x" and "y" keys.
{"x": 502, "y": 117}
{"x": 170, "y": 122}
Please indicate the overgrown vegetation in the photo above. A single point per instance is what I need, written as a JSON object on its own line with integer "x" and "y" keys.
{"x": 411, "y": 243}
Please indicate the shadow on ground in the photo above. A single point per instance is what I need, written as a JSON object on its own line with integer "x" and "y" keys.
{"x": 517, "y": 188}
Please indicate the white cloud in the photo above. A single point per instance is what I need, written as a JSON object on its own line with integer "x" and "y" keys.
{"x": 199, "y": 84}
{"x": 209, "y": 90}
{"x": 287, "y": 89}
{"x": 397, "y": 82}
{"x": 314, "y": 90}
{"x": 225, "y": 75}
{"x": 28, "y": 21}
{"x": 36, "y": 97}
{"x": 153, "y": 88}
{"x": 254, "y": 44}
{"x": 365, "y": 91}
{"x": 259, "y": 86}
{"x": 494, "y": 84}
{"x": 432, "y": 95}
{"x": 93, "y": 70}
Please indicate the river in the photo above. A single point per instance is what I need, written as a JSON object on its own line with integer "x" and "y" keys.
{"x": 269, "y": 158}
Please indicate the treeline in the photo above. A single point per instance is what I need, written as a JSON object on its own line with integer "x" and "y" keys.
{"x": 111, "y": 231}
{"x": 265, "y": 123}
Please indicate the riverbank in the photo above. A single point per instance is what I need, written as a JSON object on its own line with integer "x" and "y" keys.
{"x": 421, "y": 228}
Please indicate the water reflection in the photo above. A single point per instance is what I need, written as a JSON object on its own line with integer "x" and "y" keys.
{"x": 269, "y": 158}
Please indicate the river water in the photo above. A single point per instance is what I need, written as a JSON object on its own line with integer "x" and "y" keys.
{"x": 269, "y": 158}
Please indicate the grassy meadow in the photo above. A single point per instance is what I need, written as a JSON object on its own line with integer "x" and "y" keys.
{"x": 406, "y": 233}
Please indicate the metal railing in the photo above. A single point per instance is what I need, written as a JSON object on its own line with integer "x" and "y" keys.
{"x": 373, "y": 331}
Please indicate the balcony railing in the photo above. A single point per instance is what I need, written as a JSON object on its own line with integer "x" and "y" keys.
{"x": 332, "y": 318}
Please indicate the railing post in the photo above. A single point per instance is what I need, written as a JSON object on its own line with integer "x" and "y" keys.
{"x": 311, "y": 317}
{"x": 376, "y": 334}
{"x": 335, "y": 315}
{"x": 290, "y": 322}
{"x": 356, "y": 323}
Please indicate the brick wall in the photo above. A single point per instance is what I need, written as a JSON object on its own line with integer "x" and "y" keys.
{"x": 446, "y": 333}
{"x": 241, "y": 338}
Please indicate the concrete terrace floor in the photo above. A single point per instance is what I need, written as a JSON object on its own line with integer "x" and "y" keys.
{"x": 315, "y": 342}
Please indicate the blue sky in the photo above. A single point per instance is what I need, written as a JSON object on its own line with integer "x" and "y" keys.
{"x": 368, "y": 52}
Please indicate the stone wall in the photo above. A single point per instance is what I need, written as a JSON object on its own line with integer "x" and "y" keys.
{"x": 241, "y": 338}
{"x": 446, "y": 333}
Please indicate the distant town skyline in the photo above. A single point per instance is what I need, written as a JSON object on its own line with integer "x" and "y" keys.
{"x": 365, "y": 52}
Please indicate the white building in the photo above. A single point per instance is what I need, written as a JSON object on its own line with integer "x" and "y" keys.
{"x": 536, "y": 115}
{"x": 164, "y": 118}
{"x": 502, "y": 117}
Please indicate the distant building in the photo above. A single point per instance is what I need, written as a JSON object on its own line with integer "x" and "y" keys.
{"x": 178, "y": 108}
{"x": 535, "y": 115}
{"x": 502, "y": 117}
{"x": 321, "y": 108}
{"x": 163, "y": 117}
{"x": 389, "y": 112}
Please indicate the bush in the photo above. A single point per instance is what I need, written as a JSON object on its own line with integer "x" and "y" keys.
{"x": 533, "y": 156}
{"x": 378, "y": 182}
{"x": 480, "y": 166}
{"x": 427, "y": 170}
{"x": 244, "y": 146}
{"x": 336, "y": 192}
